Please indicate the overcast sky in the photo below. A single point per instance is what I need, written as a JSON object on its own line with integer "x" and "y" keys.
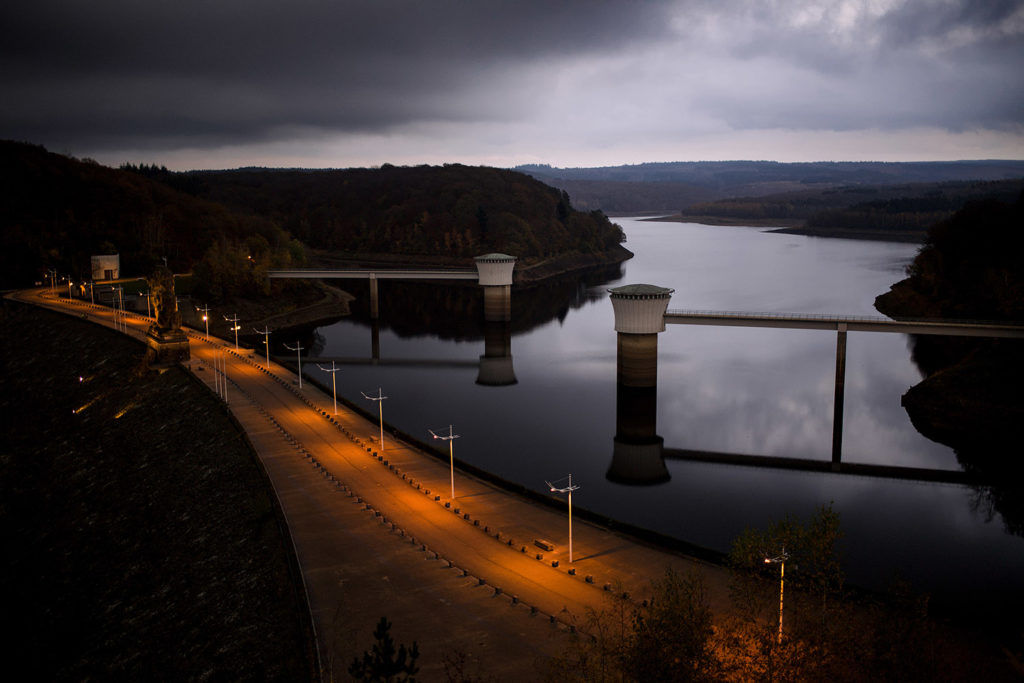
{"x": 339, "y": 83}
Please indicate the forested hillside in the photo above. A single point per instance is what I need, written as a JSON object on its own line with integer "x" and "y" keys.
{"x": 451, "y": 211}
{"x": 970, "y": 267}
{"x": 56, "y": 212}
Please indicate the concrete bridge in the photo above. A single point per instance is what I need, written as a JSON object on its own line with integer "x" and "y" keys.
{"x": 641, "y": 313}
{"x": 493, "y": 272}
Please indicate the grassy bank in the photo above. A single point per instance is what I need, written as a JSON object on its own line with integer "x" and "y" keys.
{"x": 142, "y": 539}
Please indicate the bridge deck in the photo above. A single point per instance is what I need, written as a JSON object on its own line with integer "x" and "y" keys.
{"x": 368, "y": 274}
{"x": 851, "y": 323}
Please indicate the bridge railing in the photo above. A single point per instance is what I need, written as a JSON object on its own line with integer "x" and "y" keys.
{"x": 824, "y": 317}
{"x": 834, "y": 317}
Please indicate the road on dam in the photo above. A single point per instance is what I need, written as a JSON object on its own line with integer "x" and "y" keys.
{"x": 377, "y": 533}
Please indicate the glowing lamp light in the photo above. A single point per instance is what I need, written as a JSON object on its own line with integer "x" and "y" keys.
{"x": 451, "y": 457}
{"x": 569, "y": 488}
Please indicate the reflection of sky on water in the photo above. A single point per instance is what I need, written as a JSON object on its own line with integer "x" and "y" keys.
{"x": 743, "y": 390}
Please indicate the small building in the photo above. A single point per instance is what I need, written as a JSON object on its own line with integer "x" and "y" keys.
{"x": 106, "y": 267}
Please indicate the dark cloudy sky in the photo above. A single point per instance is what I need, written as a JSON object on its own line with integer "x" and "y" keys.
{"x": 337, "y": 83}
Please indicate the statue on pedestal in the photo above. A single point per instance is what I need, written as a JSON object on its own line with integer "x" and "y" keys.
{"x": 167, "y": 343}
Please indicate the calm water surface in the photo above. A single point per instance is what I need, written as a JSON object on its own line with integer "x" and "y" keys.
{"x": 751, "y": 391}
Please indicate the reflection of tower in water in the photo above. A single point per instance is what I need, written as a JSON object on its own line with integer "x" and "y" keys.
{"x": 496, "y": 364}
{"x": 637, "y": 456}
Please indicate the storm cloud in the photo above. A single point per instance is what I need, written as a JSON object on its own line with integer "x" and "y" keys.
{"x": 357, "y": 83}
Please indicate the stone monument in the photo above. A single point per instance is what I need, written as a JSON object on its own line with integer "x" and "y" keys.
{"x": 167, "y": 344}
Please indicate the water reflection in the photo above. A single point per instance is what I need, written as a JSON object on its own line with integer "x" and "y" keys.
{"x": 455, "y": 311}
{"x": 496, "y": 364}
{"x": 638, "y": 452}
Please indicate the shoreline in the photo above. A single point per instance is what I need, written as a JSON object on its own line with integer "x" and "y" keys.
{"x": 282, "y": 312}
{"x": 798, "y": 227}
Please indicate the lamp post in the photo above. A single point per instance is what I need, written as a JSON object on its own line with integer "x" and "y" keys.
{"x": 379, "y": 398}
{"x": 451, "y": 456}
{"x": 266, "y": 340}
{"x": 205, "y": 311}
{"x": 235, "y": 327}
{"x": 781, "y": 561}
{"x": 566, "y": 489}
{"x": 298, "y": 357}
{"x": 121, "y": 317}
{"x": 334, "y": 385}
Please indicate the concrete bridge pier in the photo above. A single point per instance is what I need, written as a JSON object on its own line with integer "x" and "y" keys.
{"x": 639, "y": 318}
{"x": 374, "y": 298}
{"x": 837, "y": 406}
{"x": 495, "y": 276}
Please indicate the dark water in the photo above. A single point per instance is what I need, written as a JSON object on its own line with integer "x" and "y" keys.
{"x": 751, "y": 391}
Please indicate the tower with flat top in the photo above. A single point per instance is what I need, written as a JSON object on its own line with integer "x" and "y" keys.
{"x": 495, "y": 276}
{"x": 639, "y": 318}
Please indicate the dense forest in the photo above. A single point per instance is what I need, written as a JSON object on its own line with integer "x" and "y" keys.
{"x": 450, "y": 211}
{"x": 230, "y": 227}
{"x": 970, "y": 267}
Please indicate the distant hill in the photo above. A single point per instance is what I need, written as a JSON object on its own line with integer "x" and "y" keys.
{"x": 675, "y": 186}
{"x": 896, "y": 212}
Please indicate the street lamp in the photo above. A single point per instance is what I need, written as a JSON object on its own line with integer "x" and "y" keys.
{"x": 235, "y": 327}
{"x": 298, "y": 356}
{"x": 566, "y": 489}
{"x": 451, "y": 457}
{"x": 206, "y": 315}
{"x": 781, "y": 561}
{"x": 334, "y": 384}
{"x": 122, "y": 319}
{"x": 379, "y": 398}
{"x": 266, "y": 340}
{"x": 220, "y": 371}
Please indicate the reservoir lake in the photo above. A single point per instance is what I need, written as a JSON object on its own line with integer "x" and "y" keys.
{"x": 726, "y": 389}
